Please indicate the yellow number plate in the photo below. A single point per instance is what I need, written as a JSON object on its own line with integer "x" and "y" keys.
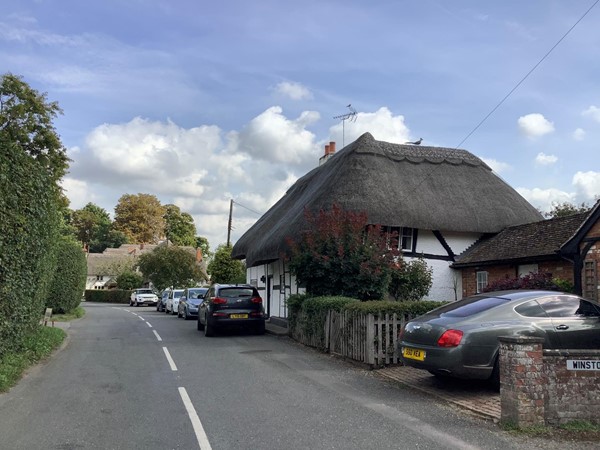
{"x": 413, "y": 353}
{"x": 239, "y": 316}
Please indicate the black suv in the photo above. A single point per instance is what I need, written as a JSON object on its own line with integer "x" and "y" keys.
{"x": 231, "y": 305}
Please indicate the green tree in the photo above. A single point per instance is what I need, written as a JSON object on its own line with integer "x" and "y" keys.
{"x": 410, "y": 280}
{"x": 179, "y": 227}
{"x": 26, "y": 120}
{"x": 129, "y": 280}
{"x": 68, "y": 284}
{"x": 170, "y": 266}
{"x": 140, "y": 218}
{"x": 92, "y": 224}
{"x": 224, "y": 269}
{"x": 340, "y": 254}
{"x": 566, "y": 209}
{"x": 202, "y": 244}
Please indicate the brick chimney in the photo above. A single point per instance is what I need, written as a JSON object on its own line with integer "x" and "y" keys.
{"x": 329, "y": 151}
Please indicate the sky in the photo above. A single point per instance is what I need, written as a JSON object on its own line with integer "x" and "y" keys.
{"x": 200, "y": 102}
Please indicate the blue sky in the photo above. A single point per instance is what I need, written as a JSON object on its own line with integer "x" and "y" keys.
{"x": 199, "y": 102}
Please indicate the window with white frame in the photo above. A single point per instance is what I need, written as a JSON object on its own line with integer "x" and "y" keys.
{"x": 482, "y": 281}
{"x": 406, "y": 239}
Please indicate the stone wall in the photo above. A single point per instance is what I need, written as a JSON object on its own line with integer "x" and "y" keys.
{"x": 537, "y": 388}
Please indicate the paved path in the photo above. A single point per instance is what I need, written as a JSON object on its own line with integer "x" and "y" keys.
{"x": 474, "y": 396}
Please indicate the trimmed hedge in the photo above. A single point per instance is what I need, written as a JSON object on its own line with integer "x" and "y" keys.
{"x": 29, "y": 229}
{"x": 108, "y": 296}
{"x": 410, "y": 308}
{"x": 69, "y": 278}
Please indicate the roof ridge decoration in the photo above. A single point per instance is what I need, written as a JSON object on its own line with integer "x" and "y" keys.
{"x": 366, "y": 143}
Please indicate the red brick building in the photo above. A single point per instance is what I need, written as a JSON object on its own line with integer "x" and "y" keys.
{"x": 567, "y": 248}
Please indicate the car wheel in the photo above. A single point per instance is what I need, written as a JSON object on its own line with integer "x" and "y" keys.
{"x": 136, "y": 304}
{"x": 209, "y": 330}
{"x": 130, "y": 303}
{"x": 186, "y": 316}
{"x": 172, "y": 312}
{"x": 199, "y": 325}
{"x": 495, "y": 377}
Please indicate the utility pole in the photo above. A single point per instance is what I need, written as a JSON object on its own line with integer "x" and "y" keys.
{"x": 229, "y": 224}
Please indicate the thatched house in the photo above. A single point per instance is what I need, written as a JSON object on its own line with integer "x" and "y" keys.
{"x": 563, "y": 247}
{"x": 440, "y": 201}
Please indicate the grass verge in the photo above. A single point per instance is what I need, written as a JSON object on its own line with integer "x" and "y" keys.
{"x": 577, "y": 430}
{"x": 77, "y": 313}
{"x": 38, "y": 346}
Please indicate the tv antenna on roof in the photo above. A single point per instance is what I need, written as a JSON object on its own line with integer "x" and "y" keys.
{"x": 351, "y": 116}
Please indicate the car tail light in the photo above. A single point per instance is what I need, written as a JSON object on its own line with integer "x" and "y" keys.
{"x": 256, "y": 300}
{"x": 219, "y": 300}
{"x": 219, "y": 314}
{"x": 450, "y": 338}
{"x": 256, "y": 314}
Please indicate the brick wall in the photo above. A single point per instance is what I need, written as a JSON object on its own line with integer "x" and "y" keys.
{"x": 538, "y": 389}
{"x": 559, "y": 268}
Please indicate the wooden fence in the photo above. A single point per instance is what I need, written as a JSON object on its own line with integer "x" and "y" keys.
{"x": 365, "y": 338}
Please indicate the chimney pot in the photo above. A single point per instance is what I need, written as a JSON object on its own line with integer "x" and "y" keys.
{"x": 332, "y": 147}
{"x": 327, "y": 149}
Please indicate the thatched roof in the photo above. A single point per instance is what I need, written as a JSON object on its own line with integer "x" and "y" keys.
{"x": 396, "y": 185}
{"x": 530, "y": 242}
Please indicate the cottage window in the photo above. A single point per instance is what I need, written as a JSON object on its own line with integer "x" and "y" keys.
{"x": 526, "y": 269}
{"x": 482, "y": 281}
{"x": 100, "y": 277}
{"x": 407, "y": 238}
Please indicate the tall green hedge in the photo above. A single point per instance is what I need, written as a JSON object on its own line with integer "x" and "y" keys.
{"x": 107, "y": 296}
{"x": 29, "y": 228}
{"x": 69, "y": 279}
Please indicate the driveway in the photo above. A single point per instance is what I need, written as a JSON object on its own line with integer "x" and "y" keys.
{"x": 474, "y": 396}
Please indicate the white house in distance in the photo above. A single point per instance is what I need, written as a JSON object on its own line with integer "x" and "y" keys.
{"x": 440, "y": 200}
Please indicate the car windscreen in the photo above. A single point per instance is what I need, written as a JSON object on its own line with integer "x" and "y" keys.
{"x": 145, "y": 291}
{"x": 471, "y": 306}
{"x": 177, "y": 294}
{"x": 197, "y": 293}
{"x": 236, "y": 292}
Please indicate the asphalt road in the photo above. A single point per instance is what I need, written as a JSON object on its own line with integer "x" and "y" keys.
{"x": 134, "y": 378}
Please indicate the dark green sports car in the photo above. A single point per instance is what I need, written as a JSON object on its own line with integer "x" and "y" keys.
{"x": 460, "y": 339}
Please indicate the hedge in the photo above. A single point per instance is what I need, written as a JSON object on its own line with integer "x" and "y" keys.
{"x": 69, "y": 278}
{"x": 108, "y": 296}
{"x": 409, "y": 308}
{"x": 29, "y": 229}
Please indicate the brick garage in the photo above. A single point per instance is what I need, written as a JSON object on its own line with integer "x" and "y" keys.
{"x": 567, "y": 248}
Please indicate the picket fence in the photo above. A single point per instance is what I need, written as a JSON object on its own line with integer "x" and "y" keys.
{"x": 367, "y": 338}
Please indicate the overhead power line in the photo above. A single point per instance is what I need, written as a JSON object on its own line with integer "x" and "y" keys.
{"x": 527, "y": 75}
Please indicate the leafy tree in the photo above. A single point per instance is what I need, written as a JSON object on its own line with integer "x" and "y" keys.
{"x": 224, "y": 269}
{"x": 170, "y": 266}
{"x": 179, "y": 227}
{"x": 566, "y": 209}
{"x": 68, "y": 284}
{"x": 202, "y": 244}
{"x": 411, "y": 280}
{"x": 92, "y": 223}
{"x": 26, "y": 121}
{"x": 340, "y": 254}
{"x": 140, "y": 218}
{"x": 129, "y": 280}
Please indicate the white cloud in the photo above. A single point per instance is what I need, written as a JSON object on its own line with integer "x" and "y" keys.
{"x": 272, "y": 136}
{"x": 382, "y": 124}
{"x": 545, "y": 160}
{"x": 77, "y": 192}
{"x": 535, "y": 125}
{"x": 587, "y": 185}
{"x": 497, "y": 166}
{"x": 579, "y": 134}
{"x": 593, "y": 112}
{"x": 295, "y": 91}
{"x": 543, "y": 199}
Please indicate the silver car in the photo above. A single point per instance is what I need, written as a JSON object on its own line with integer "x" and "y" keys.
{"x": 460, "y": 339}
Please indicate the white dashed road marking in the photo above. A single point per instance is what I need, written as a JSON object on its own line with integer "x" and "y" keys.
{"x": 198, "y": 428}
{"x": 157, "y": 336}
{"x": 171, "y": 362}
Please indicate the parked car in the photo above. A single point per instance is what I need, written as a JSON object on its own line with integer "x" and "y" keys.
{"x": 173, "y": 301}
{"x": 237, "y": 305}
{"x": 161, "y": 305}
{"x": 143, "y": 296}
{"x": 189, "y": 301}
{"x": 460, "y": 339}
